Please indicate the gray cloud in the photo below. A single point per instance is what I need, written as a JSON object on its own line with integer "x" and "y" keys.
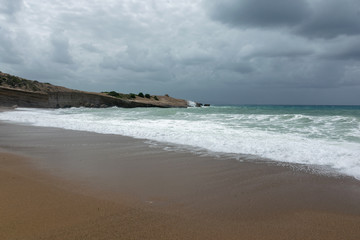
{"x": 238, "y": 67}
{"x": 343, "y": 48}
{"x": 312, "y": 19}
{"x": 90, "y": 47}
{"x": 109, "y": 63}
{"x": 351, "y": 52}
{"x": 10, "y": 7}
{"x": 284, "y": 52}
{"x": 280, "y": 50}
{"x": 331, "y": 18}
{"x": 60, "y": 48}
{"x": 261, "y": 13}
{"x": 8, "y": 51}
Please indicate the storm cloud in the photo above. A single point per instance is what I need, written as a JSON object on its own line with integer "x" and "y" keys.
{"x": 231, "y": 51}
{"x": 259, "y": 13}
{"x": 308, "y": 18}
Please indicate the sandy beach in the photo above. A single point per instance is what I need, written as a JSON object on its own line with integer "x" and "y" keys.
{"x": 61, "y": 184}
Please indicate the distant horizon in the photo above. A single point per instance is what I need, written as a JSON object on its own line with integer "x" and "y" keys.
{"x": 287, "y": 105}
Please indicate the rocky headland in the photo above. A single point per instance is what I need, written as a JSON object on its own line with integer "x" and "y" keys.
{"x": 17, "y": 91}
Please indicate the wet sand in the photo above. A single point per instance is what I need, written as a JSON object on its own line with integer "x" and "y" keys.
{"x": 60, "y": 184}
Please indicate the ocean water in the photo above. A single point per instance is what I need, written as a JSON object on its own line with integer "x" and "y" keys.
{"x": 326, "y": 137}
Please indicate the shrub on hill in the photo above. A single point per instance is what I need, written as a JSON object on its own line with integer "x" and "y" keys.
{"x": 114, "y": 94}
{"x": 147, "y": 95}
{"x": 16, "y": 82}
{"x": 141, "y": 94}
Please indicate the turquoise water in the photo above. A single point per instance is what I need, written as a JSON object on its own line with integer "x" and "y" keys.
{"x": 325, "y": 136}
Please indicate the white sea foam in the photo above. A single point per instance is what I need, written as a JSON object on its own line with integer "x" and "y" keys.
{"x": 292, "y": 138}
{"x": 191, "y": 103}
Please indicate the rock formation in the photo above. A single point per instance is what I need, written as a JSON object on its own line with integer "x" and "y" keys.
{"x": 26, "y": 93}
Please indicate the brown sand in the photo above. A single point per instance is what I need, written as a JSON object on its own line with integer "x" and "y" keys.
{"x": 79, "y": 185}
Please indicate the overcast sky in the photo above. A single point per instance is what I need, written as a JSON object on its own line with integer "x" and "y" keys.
{"x": 216, "y": 51}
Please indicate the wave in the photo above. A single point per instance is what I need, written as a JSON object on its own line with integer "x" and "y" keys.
{"x": 328, "y": 141}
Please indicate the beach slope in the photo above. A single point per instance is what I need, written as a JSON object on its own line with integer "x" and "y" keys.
{"x": 81, "y": 185}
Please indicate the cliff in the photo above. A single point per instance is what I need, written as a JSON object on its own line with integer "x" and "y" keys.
{"x": 26, "y": 93}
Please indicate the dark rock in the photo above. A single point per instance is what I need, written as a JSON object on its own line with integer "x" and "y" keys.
{"x": 199, "y": 104}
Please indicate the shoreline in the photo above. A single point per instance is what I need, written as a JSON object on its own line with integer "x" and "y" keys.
{"x": 191, "y": 197}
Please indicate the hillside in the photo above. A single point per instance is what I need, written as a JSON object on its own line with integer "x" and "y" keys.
{"x": 27, "y": 93}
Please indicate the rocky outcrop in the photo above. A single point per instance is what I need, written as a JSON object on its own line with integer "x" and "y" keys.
{"x": 202, "y": 105}
{"x": 27, "y": 93}
{"x": 10, "y": 97}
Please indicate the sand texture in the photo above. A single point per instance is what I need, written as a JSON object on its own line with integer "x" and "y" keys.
{"x": 60, "y": 184}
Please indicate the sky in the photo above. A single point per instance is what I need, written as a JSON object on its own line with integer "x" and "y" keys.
{"x": 210, "y": 51}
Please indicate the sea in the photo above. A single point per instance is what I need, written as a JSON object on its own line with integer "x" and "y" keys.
{"x": 323, "y": 138}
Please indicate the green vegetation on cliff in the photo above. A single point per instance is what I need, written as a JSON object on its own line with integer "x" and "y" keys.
{"x": 121, "y": 95}
{"x": 130, "y": 95}
{"x": 11, "y": 81}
